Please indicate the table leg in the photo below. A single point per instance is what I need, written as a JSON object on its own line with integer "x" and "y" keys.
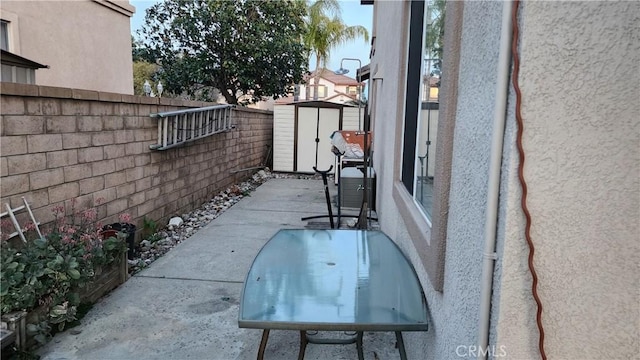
{"x": 303, "y": 344}
{"x": 403, "y": 353}
{"x": 263, "y": 344}
{"x": 359, "y": 345}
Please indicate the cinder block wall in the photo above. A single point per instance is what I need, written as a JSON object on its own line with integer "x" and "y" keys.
{"x": 59, "y": 144}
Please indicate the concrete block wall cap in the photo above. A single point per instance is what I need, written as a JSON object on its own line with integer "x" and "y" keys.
{"x": 54, "y": 92}
{"x": 131, "y": 99}
{"x": 149, "y": 100}
{"x": 165, "y": 101}
{"x": 81, "y": 94}
{"x": 111, "y": 97}
{"x": 251, "y": 110}
{"x": 7, "y": 88}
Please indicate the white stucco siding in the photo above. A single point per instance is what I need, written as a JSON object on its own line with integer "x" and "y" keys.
{"x": 579, "y": 77}
{"x": 453, "y": 313}
{"x": 470, "y": 168}
{"x": 388, "y": 28}
{"x": 283, "y": 137}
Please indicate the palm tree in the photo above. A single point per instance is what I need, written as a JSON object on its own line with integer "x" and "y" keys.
{"x": 325, "y": 30}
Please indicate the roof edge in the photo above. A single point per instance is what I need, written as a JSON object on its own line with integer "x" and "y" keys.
{"x": 9, "y": 58}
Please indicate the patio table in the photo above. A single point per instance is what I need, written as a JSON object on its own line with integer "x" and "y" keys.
{"x": 332, "y": 280}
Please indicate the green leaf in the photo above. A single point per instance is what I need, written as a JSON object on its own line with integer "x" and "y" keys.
{"x": 73, "y": 298}
{"x": 17, "y": 277}
{"x": 75, "y": 274}
{"x": 58, "y": 310}
{"x": 41, "y": 242}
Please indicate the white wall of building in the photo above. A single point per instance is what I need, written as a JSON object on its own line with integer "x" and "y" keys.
{"x": 86, "y": 43}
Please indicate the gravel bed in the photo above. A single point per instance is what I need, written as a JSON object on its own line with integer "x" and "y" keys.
{"x": 167, "y": 238}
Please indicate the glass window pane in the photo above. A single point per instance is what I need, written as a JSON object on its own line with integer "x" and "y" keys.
{"x": 429, "y": 108}
{"x": 4, "y": 36}
{"x": 7, "y": 73}
{"x": 21, "y": 75}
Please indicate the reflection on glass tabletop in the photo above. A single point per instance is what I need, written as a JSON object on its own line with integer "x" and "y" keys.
{"x": 332, "y": 280}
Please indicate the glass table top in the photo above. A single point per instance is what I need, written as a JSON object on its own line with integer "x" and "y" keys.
{"x": 332, "y": 280}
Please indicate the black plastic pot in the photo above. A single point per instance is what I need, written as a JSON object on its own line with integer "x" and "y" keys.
{"x": 126, "y": 228}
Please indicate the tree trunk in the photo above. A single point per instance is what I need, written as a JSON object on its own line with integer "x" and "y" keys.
{"x": 230, "y": 97}
{"x": 316, "y": 78}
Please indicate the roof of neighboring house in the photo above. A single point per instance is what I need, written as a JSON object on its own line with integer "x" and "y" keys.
{"x": 8, "y": 58}
{"x": 316, "y": 103}
{"x": 334, "y": 78}
{"x": 290, "y": 99}
{"x": 284, "y": 100}
{"x": 338, "y": 93}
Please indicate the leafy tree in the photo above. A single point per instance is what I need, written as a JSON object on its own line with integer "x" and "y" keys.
{"x": 325, "y": 31}
{"x": 144, "y": 67}
{"x": 246, "y": 49}
{"x": 435, "y": 31}
{"x": 139, "y": 52}
{"x": 143, "y": 71}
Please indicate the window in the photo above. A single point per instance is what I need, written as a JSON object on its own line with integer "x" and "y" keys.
{"x": 4, "y": 35}
{"x": 422, "y": 102}
{"x": 426, "y": 224}
{"x": 322, "y": 91}
{"x": 352, "y": 90}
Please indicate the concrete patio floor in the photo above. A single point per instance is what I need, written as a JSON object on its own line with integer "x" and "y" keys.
{"x": 185, "y": 305}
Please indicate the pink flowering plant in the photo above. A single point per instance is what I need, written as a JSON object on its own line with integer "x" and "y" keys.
{"x": 51, "y": 270}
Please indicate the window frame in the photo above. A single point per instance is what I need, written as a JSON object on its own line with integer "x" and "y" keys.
{"x": 4, "y": 35}
{"x": 13, "y": 26}
{"x": 313, "y": 88}
{"x": 429, "y": 237}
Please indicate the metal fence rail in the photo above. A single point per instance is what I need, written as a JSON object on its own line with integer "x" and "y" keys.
{"x": 182, "y": 126}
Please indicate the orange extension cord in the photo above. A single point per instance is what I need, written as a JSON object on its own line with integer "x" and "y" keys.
{"x": 523, "y": 183}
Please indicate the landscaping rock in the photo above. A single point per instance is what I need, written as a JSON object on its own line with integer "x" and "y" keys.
{"x": 179, "y": 230}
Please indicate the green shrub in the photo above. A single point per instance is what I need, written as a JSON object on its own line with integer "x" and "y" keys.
{"x": 51, "y": 270}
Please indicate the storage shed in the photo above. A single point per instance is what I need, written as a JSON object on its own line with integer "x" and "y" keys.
{"x": 302, "y": 131}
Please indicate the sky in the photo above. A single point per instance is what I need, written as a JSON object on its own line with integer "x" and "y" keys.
{"x": 352, "y": 14}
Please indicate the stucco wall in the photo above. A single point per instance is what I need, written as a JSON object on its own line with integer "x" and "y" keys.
{"x": 579, "y": 75}
{"x": 86, "y": 44}
{"x": 390, "y": 24}
{"x": 59, "y": 144}
{"x": 454, "y": 311}
{"x": 581, "y": 139}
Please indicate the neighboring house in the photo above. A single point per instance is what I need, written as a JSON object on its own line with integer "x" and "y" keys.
{"x": 331, "y": 87}
{"x": 85, "y": 43}
{"x": 17, "y": 69}
{"x": 581, "y": 140}
{"x": 303, "y": 126}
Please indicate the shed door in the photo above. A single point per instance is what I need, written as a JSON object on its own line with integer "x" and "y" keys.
{"x": 315, "y": 123}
